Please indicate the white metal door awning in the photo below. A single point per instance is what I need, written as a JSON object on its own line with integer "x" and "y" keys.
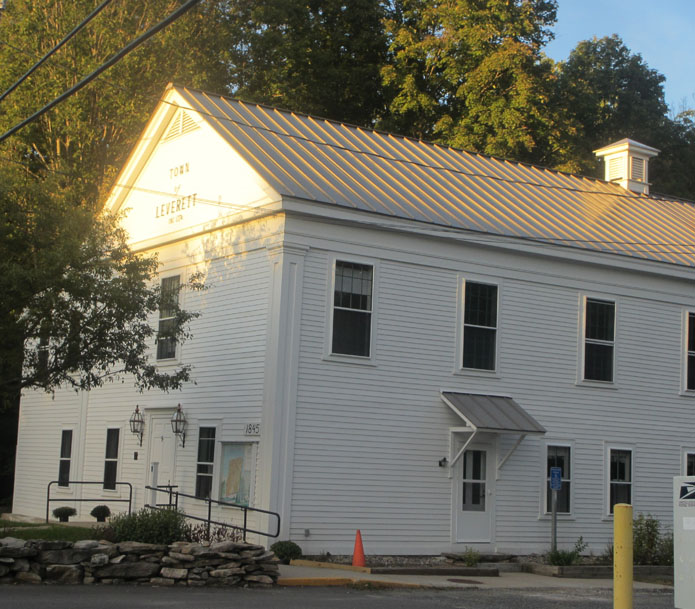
{"x": 491, "y": 414}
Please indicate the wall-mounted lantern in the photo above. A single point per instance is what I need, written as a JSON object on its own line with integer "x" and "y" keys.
{"x": 137, "y": 423}
{"x": 178, "y": 424}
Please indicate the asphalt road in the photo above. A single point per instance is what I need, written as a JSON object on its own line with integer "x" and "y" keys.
{"x": 145, "y": 597}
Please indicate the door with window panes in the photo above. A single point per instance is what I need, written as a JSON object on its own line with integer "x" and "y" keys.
{"x": 475, "y": 485}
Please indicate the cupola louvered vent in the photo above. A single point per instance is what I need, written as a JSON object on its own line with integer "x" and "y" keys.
{"x": 637, "y": 169}
{"x": 627, "y": 164}
{"x": 182, "y": 123}
{"x": 615, "y": 169}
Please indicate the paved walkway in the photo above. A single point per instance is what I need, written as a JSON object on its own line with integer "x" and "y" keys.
{"x": 291, "y": 575}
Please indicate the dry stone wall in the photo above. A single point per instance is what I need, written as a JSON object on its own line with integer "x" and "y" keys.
{"x": 224, "y": 563}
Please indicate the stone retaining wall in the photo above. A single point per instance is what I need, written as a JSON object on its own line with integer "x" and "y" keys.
{"x": 224, "y": 563}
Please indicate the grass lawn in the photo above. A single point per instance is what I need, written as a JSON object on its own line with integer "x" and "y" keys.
{"x": 12, "y": 524}
{"x": 54, "y": 531}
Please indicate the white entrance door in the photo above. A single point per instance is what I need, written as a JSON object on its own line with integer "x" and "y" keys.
{"x": 162, "y": 457}
{"x": 475, "y": 483}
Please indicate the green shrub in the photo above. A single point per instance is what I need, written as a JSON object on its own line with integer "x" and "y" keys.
{"x": 470, "y": 557}
{"x": 286, "y": 550}
{"x": 101, "y": 512}
{"x": 148, "y": 526}
{"x": 564, "y": 558}
{"x": 649, "y": 545}
{"x": 64, "y": 512}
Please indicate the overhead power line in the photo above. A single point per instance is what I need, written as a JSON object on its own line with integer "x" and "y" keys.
{"x": 105, "y": 66}
{"x": 57, "y": 47}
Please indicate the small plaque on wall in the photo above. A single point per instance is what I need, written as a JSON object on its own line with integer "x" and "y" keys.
{"x": 252, "y": 429}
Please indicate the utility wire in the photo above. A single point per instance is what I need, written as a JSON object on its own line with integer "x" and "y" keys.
{"x": 57, "y": 47}
{"x": 105, "y": 66}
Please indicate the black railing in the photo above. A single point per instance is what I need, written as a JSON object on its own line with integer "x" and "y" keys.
{"x": 129, "y": 501}
{"x": 174, "y": 504}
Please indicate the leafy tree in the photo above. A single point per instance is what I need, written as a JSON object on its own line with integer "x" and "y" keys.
{"x": 89, "y": 135}
{"x": 317, "y": 56}
{"x": 77, "y": 303}
{"x": 612, "y": 94}
{"x": 470, "y": 74}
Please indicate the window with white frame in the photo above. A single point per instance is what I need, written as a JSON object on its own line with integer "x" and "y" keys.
{"x": 559, "y": 456}
{"x": 352, "y": 309}
{"x": 479, "y": 325}
{"x": 111, "y": 459}
{"x": 620, "y": 483}
{"x": 599, "y": 340}
{"x": 690, "y": 353}
{"x": 689, "y": 463}
{"x": 169, "y": 298}
{"x": 65, "y": 457}
{"x": 206, "y": 461}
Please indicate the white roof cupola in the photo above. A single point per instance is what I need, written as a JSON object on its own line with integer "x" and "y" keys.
{"x": 626, "y": 163}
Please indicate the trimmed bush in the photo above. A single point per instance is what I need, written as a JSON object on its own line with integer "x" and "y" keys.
{"x": 64, "y": 512}
{"x": 148, "y": 526}
{"x": 286, "y": 550}
{"x": 101, "y": 513}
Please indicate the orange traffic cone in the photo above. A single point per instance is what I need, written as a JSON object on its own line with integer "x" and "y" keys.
{"x": 358, "y": 552}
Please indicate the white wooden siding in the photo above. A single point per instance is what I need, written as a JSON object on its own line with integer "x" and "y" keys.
{"x": 368, "y": 438}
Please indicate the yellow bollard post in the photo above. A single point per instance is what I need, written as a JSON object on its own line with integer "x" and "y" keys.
{"x": 622, "y": 556}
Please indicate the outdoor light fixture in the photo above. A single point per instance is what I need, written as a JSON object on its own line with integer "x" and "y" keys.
{"x": 443, "y": 462}
{"x": 178, "y": 424}
{"x": 137, "y": 423}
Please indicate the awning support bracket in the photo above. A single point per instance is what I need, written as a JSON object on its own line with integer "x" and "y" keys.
{"x": 509, "y": 454}
{"x": 463, "y": 448}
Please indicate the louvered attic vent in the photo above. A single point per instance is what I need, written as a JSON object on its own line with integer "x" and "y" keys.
{"x": 615, "y": 169}
{"x": 182, "y": 123}
{"x": 637, "y": 169}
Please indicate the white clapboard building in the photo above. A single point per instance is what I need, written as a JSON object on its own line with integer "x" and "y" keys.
{"x": 397, "y": 337}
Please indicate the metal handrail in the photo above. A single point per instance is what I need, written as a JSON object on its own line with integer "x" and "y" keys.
{"x": 129, "y": 501}
{"x": 174, "y": 503}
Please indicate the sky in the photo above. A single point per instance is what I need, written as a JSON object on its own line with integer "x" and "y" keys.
{"x": 662, "y": 31}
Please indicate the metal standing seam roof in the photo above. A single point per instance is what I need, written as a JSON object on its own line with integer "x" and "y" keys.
{"x": 492, "y": 413}
{"x": 333, "y": 163}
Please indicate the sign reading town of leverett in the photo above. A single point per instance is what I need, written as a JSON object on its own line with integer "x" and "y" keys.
{"x": 189, "y": 179}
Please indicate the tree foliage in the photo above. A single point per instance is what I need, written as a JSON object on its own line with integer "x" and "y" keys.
{"x": 78, "y": 306}
{"x": 470, "y": 74}
{"x": 320, "y": 57}
{"x": 88, "y": 136}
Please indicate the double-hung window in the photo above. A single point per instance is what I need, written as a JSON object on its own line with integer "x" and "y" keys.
{"x": 352, "y": 309}
{"x": 111, "y": 459}
{"x": 599, "y": 340}
{"x": 559, "y": 456}
{"x": 206, "y": 460}
{"x": 65, "y": 456}
{"x": 690, "y": 354}
{"x": 690, "y": 464}
{"x": 620, "y": 483}
{"x": 169, "y": 298}
{"x": 479, "y": 326}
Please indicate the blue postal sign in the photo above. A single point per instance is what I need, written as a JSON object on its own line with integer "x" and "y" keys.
{"x": 555, "y": 478}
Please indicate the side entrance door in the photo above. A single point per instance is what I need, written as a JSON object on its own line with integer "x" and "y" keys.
{"x": 475, "y": 486}
{"x": 162, "y": 469}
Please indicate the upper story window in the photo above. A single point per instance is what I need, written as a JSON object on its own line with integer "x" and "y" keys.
{"x": 620, "y": 477}
{"x": 599, "y": 340}
{"x": 690, "y": 354}
{"x": 479, "y": 326}
{"x": 166, "y": 343}
{"x": 559, "y": 456}
{"x": 352, "y": 309}
{"x": 65, "y": 457}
